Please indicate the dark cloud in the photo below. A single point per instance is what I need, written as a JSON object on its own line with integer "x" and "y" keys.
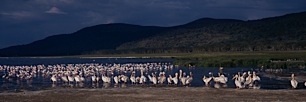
{"x": 23, "y": 21}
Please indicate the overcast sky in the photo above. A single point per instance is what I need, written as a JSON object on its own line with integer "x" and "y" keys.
{"x": 24, "y": 21}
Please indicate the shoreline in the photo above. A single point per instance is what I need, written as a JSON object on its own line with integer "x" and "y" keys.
{"x": 263, "y": 59}
{"x": 156, "y": 94}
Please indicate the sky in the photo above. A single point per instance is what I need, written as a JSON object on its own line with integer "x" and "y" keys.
{"x": 25, "y": 21}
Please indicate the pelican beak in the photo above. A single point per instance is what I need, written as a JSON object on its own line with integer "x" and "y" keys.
{"x": 234, "y": 77}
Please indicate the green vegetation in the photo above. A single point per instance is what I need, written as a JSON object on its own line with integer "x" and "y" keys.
{"x": 245, "y": 59}
{"x": 270, "y": 59}
{"x": 284, "y": 33}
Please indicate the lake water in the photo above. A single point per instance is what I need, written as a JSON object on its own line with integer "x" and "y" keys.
{"x": 39, "y": 82}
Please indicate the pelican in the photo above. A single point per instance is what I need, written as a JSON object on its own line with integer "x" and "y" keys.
{"x": 294, "y": 83}
{"x": 150, "y": 78}
{"x": 108, "y": 79}
{"x": 189, "y": 78}
{"x": 256, "y": 80}
{"x": 206, "y": 80}
{"x": 64, "y": 78}
{"x": 175, "y": 79}
{"x": 116, "y": 79}
{"x": 255, "y": 77}
{"x": 70, "y": 79}
{"x": 154, "y": 80}
{"x": 237, "y": 81}
{"x": 124, "y": 78}
{"x": 133, "y": 78}
{"x": 77, "y": 78}
{"x": 242, "y": 78}
{"x": 53, "y": 79}
{"x": 182, "y": 78}
{"x": 221, "y": 79}
{"x": 249, "y": 80}
{"x": 137, "y": 79}
{"x": 105, "y": 79}
{"x": 93, "y": 78}
{"x": 143, "y": 79}
{"x": 161, "y": 78}
{"x": 98, "y": 79}
{"x": 169, "y": 79}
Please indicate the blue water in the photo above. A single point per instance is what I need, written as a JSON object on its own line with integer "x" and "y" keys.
{"x": 39, "y": 82}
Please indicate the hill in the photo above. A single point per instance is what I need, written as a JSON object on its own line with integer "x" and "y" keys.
{"x": 283, "y": 33}
{"x": 105, "y": 36}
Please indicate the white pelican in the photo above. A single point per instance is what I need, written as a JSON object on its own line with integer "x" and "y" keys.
{"x": 137, "y": 79}
{"x": 249, "y": 80}
{"x": 189, "y": 78}
{"x": 243, "y": 77}
{"x": 206, "y": 80}
{"x": 175, "y": 79}
{"x": 255, "y": 77}
{"x": 124, "y": 78}
{"x": 93, "y": 78}
{"x": 182, "y": 78}
{"x": 133, "y": 78}
{"x": 116, "y": 79}
{"x": 154, "y": 80}
{"x": 169, "y": 79}
{"x": 294, "y": 83}
{"x": 237, "y": 81}
{"x": 150, "y": 78}
{"x": 53, "y": 79}
{"x": 256, "y": 80}
{"x": 98, "y": 78}
{"x": 77, "y": 78}
{"x": 161, "y": 78}
{"x": 221, "y": 79}
{"x": 108, "y": 79}
{"x": 70, "y": 79}
{"x": 143, "y": 79}
{"x": 105, "y": 79}
{"x": 64, "y": 78}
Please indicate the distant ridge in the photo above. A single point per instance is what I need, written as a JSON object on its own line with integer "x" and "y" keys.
{"x": 282, "y": 33}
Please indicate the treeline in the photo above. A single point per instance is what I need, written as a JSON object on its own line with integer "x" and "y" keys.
{"x": 253, "y": 63}
{"x": 208, "y": 48}
{"x": 272, "y": 59}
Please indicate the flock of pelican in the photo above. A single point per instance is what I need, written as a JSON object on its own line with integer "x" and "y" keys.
{"x": 247, "y": 80}
{"x": 145, "y": 73}
{"x": 96, "y": 73}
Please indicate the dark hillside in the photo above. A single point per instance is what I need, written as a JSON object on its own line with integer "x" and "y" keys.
{"x": 283, "y": 33}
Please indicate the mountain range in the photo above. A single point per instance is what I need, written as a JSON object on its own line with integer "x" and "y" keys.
{"x": 282, "y": 33}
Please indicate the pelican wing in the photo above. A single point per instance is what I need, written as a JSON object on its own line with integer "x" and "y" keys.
{"x": 294, "y": 83}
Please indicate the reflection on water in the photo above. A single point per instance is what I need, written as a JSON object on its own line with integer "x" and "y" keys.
{"x": 156, "y": 72}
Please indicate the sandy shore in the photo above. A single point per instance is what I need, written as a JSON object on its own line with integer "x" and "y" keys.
{"x": 166, "y": 94}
